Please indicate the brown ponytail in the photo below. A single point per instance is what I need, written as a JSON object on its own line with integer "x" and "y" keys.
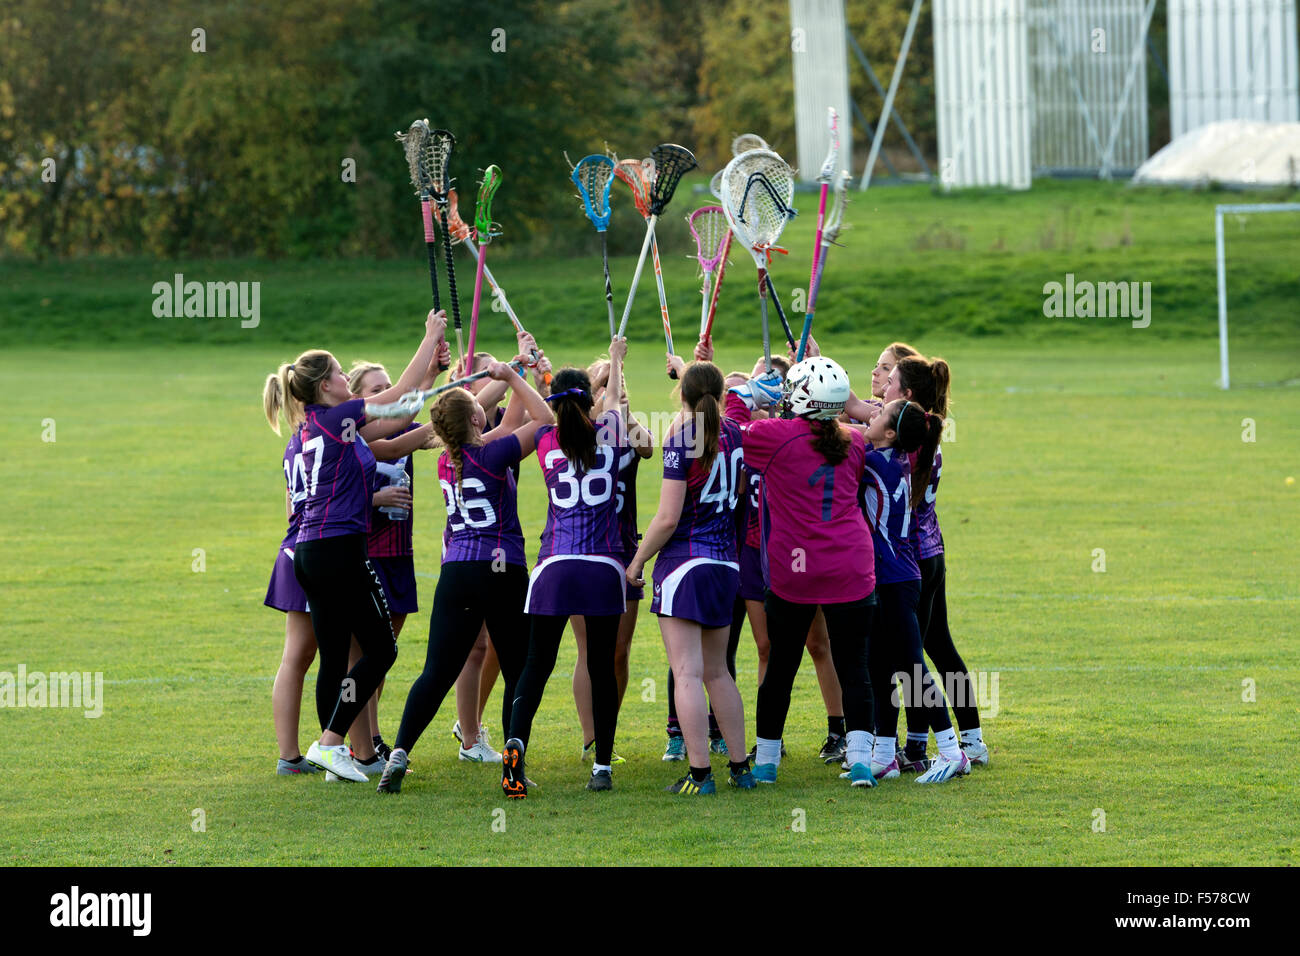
{"x": 929, "y": 382}
{"x": 915, "y": 430}
{"x": 573, "y": 427}
{"x": 294, "y": 386}
{"x": 830, "y": 440}
{"x": 702, "y": 392}
{"x": 452, "y": 417}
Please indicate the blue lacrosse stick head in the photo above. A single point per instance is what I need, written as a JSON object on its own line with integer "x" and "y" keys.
{"x": 593, "y": 176}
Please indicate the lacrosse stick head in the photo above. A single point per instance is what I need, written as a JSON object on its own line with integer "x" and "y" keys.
{"x": 747, "y": 141}
{"x": 715, "y": 185}
{"x": 832, "y": 154}
{"x": 437, "y": 159}
{"x": 417, "y": 144}
{"x": 835, "y": 217}
{"x": 709, "y": 227}
{"x": 456, "y": 227}
{"x": 483, "y": 224}
{"x": 593, "y": 176}
{"x": 757, "y": 189}
{"x": 631, "y": 172}
{"x": 408, "y": 406}
{"x": 671, "y": 163}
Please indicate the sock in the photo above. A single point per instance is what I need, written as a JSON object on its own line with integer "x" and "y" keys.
{"x": 377, "y": 740}
{"x": 699, "y": 773}
{"x": 835, "y": 726}
{"x": 947, "y": 742}
{"x": 972, "y": 736}
{"x": 769, "y": 751}
{"x": 884, "y": 751}
{"x": 739, "y": 766}
{"x": 674, "y": 729}
{"x": 601, "y": 766}
{"x": 588, "y": 745}
{"x": 297, "y": 759}
{"x": 916, "y": 744}
{"x": 858, "y": 744}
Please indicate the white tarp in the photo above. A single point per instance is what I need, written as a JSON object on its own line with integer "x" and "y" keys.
{"x": 1239, "y": 152}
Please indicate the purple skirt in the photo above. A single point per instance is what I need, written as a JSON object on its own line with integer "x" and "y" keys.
{"x": 397, "y": 575}
{"x": 696, "y": 589}
{"x": 752, "y": 587}
{"x": 284, "y": 593}
{"x": 566, "y": 584}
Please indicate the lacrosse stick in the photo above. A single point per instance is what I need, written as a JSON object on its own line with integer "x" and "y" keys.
{"x": 670, "y": 163}
{"x": 747, "y": 141}
{"x": 834, "y": 222}
{"x": 409, "y": 405}
{"x": 824, "y": 177}
{"x": 593, "y": 176}
{"x": 434, "y": 159}
{"x": 757, "y": 187}
{"x": 715, "y": 187}
{"x": 709, "y": 227}
{"x": 780, "y": 312}
{"x": 483, "y": 225}
{"x": 461, "y": 233}
{"x": 415, "y": 142}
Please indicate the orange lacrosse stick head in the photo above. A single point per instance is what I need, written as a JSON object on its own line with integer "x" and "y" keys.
{"x": 456, "y": 227}
{"x": 633, "y": 172}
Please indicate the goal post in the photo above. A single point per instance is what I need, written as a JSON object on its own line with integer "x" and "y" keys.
{"x": 1219, "y": 211}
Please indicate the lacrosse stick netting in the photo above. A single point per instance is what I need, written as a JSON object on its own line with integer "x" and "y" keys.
{"x": 594, "y": 175}
{"x": 435, "y": 161}
{"x": 416, "y": 142}
{"x": 487, "y": 231}
{"x": 709, "y": 227}
{"x": 830, "y": 232}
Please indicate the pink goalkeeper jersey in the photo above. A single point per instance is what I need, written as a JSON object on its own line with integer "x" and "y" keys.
{"x": 816, "y": 543}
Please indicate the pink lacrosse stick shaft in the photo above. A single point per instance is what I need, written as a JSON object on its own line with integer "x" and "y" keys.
{"x": 478, "y": 293}
{"x": 817, "y": 244}
{"x": 717, "y": 286}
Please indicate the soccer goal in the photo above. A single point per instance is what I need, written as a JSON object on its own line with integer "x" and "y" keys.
{"x": 1266, "y": 274}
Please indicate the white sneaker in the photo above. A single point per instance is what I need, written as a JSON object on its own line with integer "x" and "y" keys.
{"x": 977, "y": 751}
{"x": 483, "y": 736}
{"x": 944, "y": 769}
{"x": 336, "y": 761}
{"x": 480, "y": 753}
{"x": 455, "y": 732}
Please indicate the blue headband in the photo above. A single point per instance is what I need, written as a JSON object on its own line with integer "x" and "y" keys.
{"x": 569, "y": 391}
{"x": 898, "y": 422}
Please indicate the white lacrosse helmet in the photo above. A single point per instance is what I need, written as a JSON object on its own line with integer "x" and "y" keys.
{"x": 817, "y": 388}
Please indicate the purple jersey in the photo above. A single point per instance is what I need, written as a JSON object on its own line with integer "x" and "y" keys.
{"x": 628, "y": 463}
{"x": 494, "y": 421}
{"x": 339, "y": 470}
{"x": 582, "y": 512}
{"x": 295, "y": 483}
{"x": 483, "y": 514}
{"x": 886, "y": 501}
{"x": 706, "y": 527}
{"x": 816, "y": 546}
{"x": 926, "y": 537}
{"x": 389, "y": 538}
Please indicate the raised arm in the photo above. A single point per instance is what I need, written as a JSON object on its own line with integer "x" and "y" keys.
{"x": 390, "y": 449}
{"x": 526, "y": 397}
{"x": 614, "y": 390}
{"x": 434, "y": 328}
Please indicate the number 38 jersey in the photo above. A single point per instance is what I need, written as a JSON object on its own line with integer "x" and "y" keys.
{"x": 582, "y": 505}
{"x": 707, "y": 525}
{"x": 483, "y": 513}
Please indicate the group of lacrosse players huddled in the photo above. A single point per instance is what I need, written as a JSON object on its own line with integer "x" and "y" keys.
{"x": 786, "y": 500}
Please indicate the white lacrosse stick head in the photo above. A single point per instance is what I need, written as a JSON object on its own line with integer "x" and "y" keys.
{"x": 757, "y": 189}
{"x": 408, "y": 406}
{"x": 832, "y": 154}
{"x": 747, "y": 141}
{"x": 715, "y": 184}
{"x": 835, "y": 217}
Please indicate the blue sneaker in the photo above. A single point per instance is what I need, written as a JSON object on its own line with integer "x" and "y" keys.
{"x": 765, "y": 773}
{"x": 718, "y": 746}
{"x": 688, "y": 786}
{"x": 676, "y": 748}
{"x": 860, "y": 776}
{"x": 744, "y": 780}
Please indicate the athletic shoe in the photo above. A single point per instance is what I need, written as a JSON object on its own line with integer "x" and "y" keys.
{"x": 764, "y": 773}
{"x": 744, "y": 780}
{"x": 718, "y": 746}
{"x": 394, "y": 772}
{"x": 382, "y": 750}
{"x": 676, "y": 748}
{"x": 601, "y": 780}
{"x": 335, "y": 761}
{"x": 977, "y": 751}
{"x": 513, "y": 781}
{"x": 480, "y": 753}
{"x": 483, "y": 737}
{"x": 885, "y": 771}
{"x": 913, "y": 764}
{"x": 945, "y": 769}
{"x": 455, "y": 732}
{"x": 860, "y": 776}
{"x": 372, "y": 767}
{"x": 834, "y": 748}
{"x": 286, "y": 768}
{"x": 589, "y": 753}
{"x": 688, "y": 786}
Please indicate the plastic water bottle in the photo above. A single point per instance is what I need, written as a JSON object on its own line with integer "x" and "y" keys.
{"x": 403, "y": 480}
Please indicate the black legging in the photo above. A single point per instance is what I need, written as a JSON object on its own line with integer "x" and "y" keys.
{"x": 932, "y": 621}
{"x": 543, "y": 645}
{"x": 469, "y": 593}
{"x": 897, "y": 648}
{"x": 849, "y": 626}
{"x": 346, "y": 600}
{"x": 733, "y": 642}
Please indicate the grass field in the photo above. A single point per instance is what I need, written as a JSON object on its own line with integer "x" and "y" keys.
{"x": 1162, "y": 692}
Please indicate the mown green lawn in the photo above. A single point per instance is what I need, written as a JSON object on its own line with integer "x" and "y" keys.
{"x": 1118, "y": 692}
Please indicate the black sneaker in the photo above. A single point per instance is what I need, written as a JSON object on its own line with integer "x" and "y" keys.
{"x": 513, "y": 781}
{"x": 834, "y": 748}
{"x": 382, "y": 749}
{"x": 601, "y": 780}
{"x": 908, "y": 763}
